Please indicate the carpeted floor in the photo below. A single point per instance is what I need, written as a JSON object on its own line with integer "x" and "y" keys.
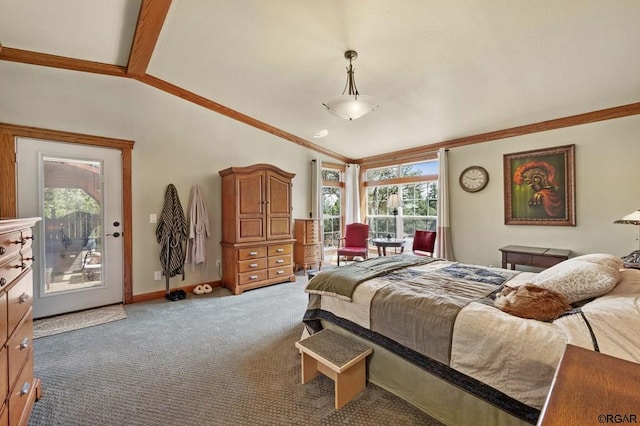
{"x": 77, "y": 320}
{"x": 214, "y": 359}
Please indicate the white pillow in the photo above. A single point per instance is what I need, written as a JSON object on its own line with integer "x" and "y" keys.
{"x": 601, "y": 259}
{"x": 578, "y": 279}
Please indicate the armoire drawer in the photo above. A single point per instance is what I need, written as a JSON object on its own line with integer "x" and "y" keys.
{"x": 279, "y": 250}
{"x": 279, "y": 261}
{"x": 284, "y": 271}
{"x": 250, "y": 277}
{"x": 252, "y": 253}
{"x": 252, "y": 265}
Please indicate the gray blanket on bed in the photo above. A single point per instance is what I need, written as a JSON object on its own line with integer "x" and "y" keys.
{"x": 418, "y": 309}
{"x": 341, "y": 282}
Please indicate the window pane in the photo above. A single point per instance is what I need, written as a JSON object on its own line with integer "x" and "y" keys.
{"x": 382, "y": 173}
{"x": 332, "y": 175}
{"x": 420, "y": 169}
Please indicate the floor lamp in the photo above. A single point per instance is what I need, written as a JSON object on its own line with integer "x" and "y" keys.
{"x": 394, "y": 203}
{"x": 632, "y": 219}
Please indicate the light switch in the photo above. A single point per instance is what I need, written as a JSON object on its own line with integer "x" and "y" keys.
{"x": 153, "y": 218}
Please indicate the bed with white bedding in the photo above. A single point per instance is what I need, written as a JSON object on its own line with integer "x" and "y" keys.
{"x": 441, "y": 344}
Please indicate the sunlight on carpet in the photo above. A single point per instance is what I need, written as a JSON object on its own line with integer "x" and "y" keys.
{"x": 77, "y": 320}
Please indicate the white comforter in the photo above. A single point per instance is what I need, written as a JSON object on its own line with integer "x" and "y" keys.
{"x": 519, "y": 356}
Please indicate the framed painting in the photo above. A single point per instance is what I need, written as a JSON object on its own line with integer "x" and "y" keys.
{"x": 539, "y": 187}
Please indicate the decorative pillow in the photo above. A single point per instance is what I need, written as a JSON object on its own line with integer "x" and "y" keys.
{"x": 578, "y": 279}
{"x": 601, "y": 259}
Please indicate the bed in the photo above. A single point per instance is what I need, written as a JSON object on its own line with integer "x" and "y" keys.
{"x": 440, "y": 343}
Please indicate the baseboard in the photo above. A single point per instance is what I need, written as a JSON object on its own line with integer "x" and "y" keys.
{"x": 160, "y": 294}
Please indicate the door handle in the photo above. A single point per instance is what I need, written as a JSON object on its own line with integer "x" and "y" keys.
{"x": 115, "y": 234}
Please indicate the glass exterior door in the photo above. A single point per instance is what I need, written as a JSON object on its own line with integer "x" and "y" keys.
{"x": 77, "y": 191}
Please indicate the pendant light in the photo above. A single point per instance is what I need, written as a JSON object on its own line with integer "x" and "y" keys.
{"x": 351, "y": 105}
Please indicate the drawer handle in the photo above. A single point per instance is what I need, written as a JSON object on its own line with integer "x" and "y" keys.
{"x": 280, "y": 261}
{"x": 32, "y": 258}
{"x": 21, "y": 241}
{"x": 280, "y": 250}
{"x": 253, "y": 253}
{"x": 280, "y": 272}
{"x": 253, "y": 265}
{"x": 2, "y": 251}
{"x": 25, "y": 388}
{"x": 3, "y": 282}
{"x": 253, "y": 277}
{"x": 25, "y": 343}
{"x": 21, "y": 266}
{"x": 23, "y": 297}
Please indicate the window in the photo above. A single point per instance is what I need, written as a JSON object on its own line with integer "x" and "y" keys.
{"x": 332, "y": 202}
{"x": 417, "y": 183}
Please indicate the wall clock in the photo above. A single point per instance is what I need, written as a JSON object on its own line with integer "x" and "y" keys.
{"x": 474, "y": 178}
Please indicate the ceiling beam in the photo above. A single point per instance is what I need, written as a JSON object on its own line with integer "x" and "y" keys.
{"x": 46, "y": 60}
{"x": 150, "y": 20}
{"x": 221, "y": 109}
{"x": 541, "y": 126}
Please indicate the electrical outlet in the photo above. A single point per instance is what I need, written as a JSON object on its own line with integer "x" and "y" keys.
{"x": 157, "y": 275}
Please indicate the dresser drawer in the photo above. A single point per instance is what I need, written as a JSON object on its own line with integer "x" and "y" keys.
{"x": 3, "y": 318}
{"x": 252, "y": 253}
{"x": 4, "y": 416}
{"x": 313, "y": 231}
{"x": 4, "y": 375}
{"x": 252, "y": 265}
{"x": 19, "y": 347}
{"x": 313, "y": 251}
{"x": 250, "y": 277}
{"x": 10, "y": 244}
{"x": 19, "y": 300}
{"x": 281, "y": 249}
{"x": 9, "y": 271}
{"x": 278, "y": 261}
{"x": 22, "y": 393}
{"x": 284, "y": 271}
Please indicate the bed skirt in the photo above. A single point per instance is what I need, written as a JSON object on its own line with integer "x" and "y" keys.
{"x": 437, "y": 396}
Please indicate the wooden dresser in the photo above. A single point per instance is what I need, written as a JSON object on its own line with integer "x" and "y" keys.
{"x": 307, "y": 250}
{"x": 257, "y": 242}
{"x": 18, "y": 387}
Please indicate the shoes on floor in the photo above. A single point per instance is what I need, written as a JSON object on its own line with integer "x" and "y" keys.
{"x": 176, "y": 295}
{"x": 198, "y": 290}
{"x": 207, "y": 288}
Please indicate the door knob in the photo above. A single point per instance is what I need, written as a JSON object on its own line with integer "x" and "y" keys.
{"x": 115, "y": 234}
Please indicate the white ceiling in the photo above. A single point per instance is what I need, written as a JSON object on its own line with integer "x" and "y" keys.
{"x": 440, "y": 69}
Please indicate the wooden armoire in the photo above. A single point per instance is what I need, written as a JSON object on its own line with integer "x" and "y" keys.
{"x": 257, "y": 240}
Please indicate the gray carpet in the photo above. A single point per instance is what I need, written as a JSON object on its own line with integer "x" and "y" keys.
{"x": 214, "y": 359}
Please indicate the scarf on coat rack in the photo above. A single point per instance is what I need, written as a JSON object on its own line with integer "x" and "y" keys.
{"x": 171, "y": 234}
{"x": 198, "y": 228}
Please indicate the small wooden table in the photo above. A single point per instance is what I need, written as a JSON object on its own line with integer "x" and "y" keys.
{"x": 383, "y": 243}
{"x": 532, "y": 256}
{"x": 338, "y": 358}
{"x": 590, "y": 388}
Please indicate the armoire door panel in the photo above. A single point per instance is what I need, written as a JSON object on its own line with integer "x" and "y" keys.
{"x": 252, "y": 201}
{"x": 251, "y": 229}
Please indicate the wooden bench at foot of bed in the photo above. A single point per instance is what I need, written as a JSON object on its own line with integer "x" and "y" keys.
{"x": 342, "y": 360}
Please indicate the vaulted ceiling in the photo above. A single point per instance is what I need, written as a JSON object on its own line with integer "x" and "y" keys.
{"x": 443, "y": 71}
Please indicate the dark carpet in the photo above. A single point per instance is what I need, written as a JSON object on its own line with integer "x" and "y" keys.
{"x": 213, "y": 359}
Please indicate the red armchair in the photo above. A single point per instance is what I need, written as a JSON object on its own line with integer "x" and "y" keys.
{"x": 424, "y": 242}
{"x": 355, "y": 241}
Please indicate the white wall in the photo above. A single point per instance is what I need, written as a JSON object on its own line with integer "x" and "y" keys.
{"x": 607, "y": 176}
{"x": 175, "y": 142}
{"x": 180, "y": 143}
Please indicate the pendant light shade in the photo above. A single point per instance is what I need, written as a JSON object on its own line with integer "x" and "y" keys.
{"x": 351, "y": 105}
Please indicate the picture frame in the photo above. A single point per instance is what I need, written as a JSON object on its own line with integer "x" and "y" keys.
{"x": 539, "y": 187}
